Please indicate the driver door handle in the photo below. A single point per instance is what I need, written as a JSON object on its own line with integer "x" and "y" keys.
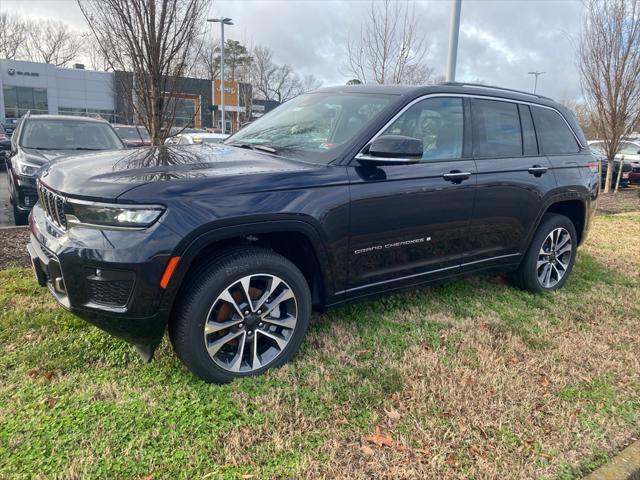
{"x": 538, "y": 170}
{"x": 456, "y": 176}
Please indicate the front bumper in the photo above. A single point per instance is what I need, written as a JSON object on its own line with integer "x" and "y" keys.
{"x": 109, "y": 278}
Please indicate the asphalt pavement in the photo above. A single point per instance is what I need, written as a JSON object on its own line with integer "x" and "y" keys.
{"x": 6, "y": 212}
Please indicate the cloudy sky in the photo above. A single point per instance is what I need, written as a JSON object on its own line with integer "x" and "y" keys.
{"x": 500, "y": 40}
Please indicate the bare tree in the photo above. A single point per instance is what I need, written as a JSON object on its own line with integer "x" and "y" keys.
{"x": 309, "y": 83}
{"x": 13, "y": 36}
{"x": 609, "y": 63}
{"x": 390, "y": 48}
{"x": 152, "y": 39}
{"x": 93, "y": 51}
{"x": 52, "y": 42}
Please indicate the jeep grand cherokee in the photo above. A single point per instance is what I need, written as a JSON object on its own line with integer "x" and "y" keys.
{"x": 336, "y": 195}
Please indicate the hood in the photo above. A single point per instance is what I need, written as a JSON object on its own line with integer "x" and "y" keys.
{"x": 109, "y": 174}
{"x": 43, "y": 157}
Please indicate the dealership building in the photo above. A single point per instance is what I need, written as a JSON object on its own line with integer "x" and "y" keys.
{"x": 43, "y": 88}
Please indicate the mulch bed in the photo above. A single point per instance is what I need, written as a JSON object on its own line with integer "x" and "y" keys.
{"x": 626, "y": 200}
{"x": 13, "y": 247}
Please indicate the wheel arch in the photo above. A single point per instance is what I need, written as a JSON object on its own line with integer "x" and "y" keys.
{"x": 573, "y": 206}
{"x": 296, "y": 240}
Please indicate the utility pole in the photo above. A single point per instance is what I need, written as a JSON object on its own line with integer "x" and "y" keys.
{"x": 536, "y": 74}
{"x": 223, "y": 21}
{"x": 454, "y": 31}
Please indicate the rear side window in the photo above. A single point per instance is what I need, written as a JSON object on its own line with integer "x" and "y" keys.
{"x": 529, "y": 142}
{"x": 496, "y": 129}
{"x": 555, "y": 136}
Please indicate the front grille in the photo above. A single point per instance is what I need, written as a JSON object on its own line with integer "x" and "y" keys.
{"x": 636, "y": 170}
{"x": 53, "y": 205}
{"x": 113, "y": 293}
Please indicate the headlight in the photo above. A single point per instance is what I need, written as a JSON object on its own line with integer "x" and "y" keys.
{"x": 111, "y": 216}
{"x": 25, "y": 168}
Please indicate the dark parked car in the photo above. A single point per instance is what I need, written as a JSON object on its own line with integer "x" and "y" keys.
{"x": 604, "y": 167}
{"x": 10, "y": 125}
{"x": 133, "y": 136}
{"x": 40, "y": 139}
{"x": 4, "y": 140}
{"x": 334, "y": 196}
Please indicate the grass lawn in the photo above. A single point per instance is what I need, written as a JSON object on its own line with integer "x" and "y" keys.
{"x": 468, "y": 379}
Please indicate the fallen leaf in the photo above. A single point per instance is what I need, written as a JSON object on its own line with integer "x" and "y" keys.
{"x": 247, "y": 476}
{"x": 423, "y": 451}
{"x": 33, "y": 373}
{"x": 393, "y": 415}
{"x": 468, "y": 381}
{"x": 379, "y": 439}
{"x": 48, "y": 375}
{"x": 545, "y": 382}
{"x": 368, "y": 451}
{"x": 50, "y": 402}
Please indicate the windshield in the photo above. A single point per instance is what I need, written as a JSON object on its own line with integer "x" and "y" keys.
{"x": 69, "y": 135}
{"x": 629, "y": 149}
{"x": 132, "y": 133}
{"x": 313, "y": 127}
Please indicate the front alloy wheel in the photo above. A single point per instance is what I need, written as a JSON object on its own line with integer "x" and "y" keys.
{"x": 250, "y": 323}
{"x": 240, "y": 313}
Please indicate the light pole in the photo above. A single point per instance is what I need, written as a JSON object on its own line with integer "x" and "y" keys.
{"x": 454, "y": 31}
{"x": 223, "y": 21}
{"x": 536, "y": 74}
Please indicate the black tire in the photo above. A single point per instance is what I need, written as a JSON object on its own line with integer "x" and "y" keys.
{"x": 198, "y": 297}
{"x": 19, "y": 217}
{"x": 526, "y": 276}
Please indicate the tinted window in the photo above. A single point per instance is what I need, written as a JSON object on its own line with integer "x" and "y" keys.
{"x": 529, "y": 142}
{"x": 68, "y": 135}
{"x": 438, "y": 122}
{"x": 496, "y": 129}
{"x": 555, "y": 136}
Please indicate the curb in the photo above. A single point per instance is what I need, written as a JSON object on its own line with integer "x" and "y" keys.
{"x": 625, "y": 466}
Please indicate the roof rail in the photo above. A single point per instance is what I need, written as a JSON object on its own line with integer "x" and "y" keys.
{"x": 492, "y": 87}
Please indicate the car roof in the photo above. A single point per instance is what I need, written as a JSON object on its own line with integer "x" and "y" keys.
{"x": 449, "y": 87}
{"x": 65, "y": 117}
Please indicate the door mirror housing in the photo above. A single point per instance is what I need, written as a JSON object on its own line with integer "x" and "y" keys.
{"x": 392, "y": 150}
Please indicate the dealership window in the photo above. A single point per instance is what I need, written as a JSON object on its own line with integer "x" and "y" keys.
{"x": 20, "y": 100}
{"x": 185, "y": 109}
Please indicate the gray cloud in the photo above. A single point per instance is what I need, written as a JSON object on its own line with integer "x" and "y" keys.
{"x": 500, "y": 41}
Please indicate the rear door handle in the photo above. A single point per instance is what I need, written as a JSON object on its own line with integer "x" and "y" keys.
{"x": 538, "y": 170}
{"x": 456, "y": 176}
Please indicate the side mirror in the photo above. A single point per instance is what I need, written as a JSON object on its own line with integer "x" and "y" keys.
{"x": 392, "y": 150}
{"x": 5, "y": 144}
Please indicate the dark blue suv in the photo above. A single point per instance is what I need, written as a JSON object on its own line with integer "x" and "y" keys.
{"x": 336, "y": 195}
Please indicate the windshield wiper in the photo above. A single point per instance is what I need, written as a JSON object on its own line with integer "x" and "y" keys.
{"x": 252, "y": 146}
{"x": 84, "y": 148}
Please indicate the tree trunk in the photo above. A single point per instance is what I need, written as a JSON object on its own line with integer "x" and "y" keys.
{"x": 609, "y": 176}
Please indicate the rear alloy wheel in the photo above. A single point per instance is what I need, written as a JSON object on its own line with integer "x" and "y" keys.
{"x": 257, "y": 319}
{"x": 549, "y": 259}
{"x": 554, "y": 257}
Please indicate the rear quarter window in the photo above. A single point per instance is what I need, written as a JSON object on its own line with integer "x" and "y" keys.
{"x": 555, "y": 135}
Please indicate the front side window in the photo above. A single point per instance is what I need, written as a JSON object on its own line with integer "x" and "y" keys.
{"x": 496, "y": 129}
{"x": 315, "y": 127}
{"x": 132, "y": 133}
{"x": 45, "y": 134}
{"x": 555, "y": 136}
{"x": 438, "y": 122}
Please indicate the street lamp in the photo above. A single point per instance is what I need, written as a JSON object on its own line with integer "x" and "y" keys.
{"x": 454, "y": 31}
{"x": 536, "y": 74}
{"x": 223, "y": 21}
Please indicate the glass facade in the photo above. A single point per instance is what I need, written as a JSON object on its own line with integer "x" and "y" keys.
{"x": 20, "y": 100}
{"x": 185, "y": 112}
